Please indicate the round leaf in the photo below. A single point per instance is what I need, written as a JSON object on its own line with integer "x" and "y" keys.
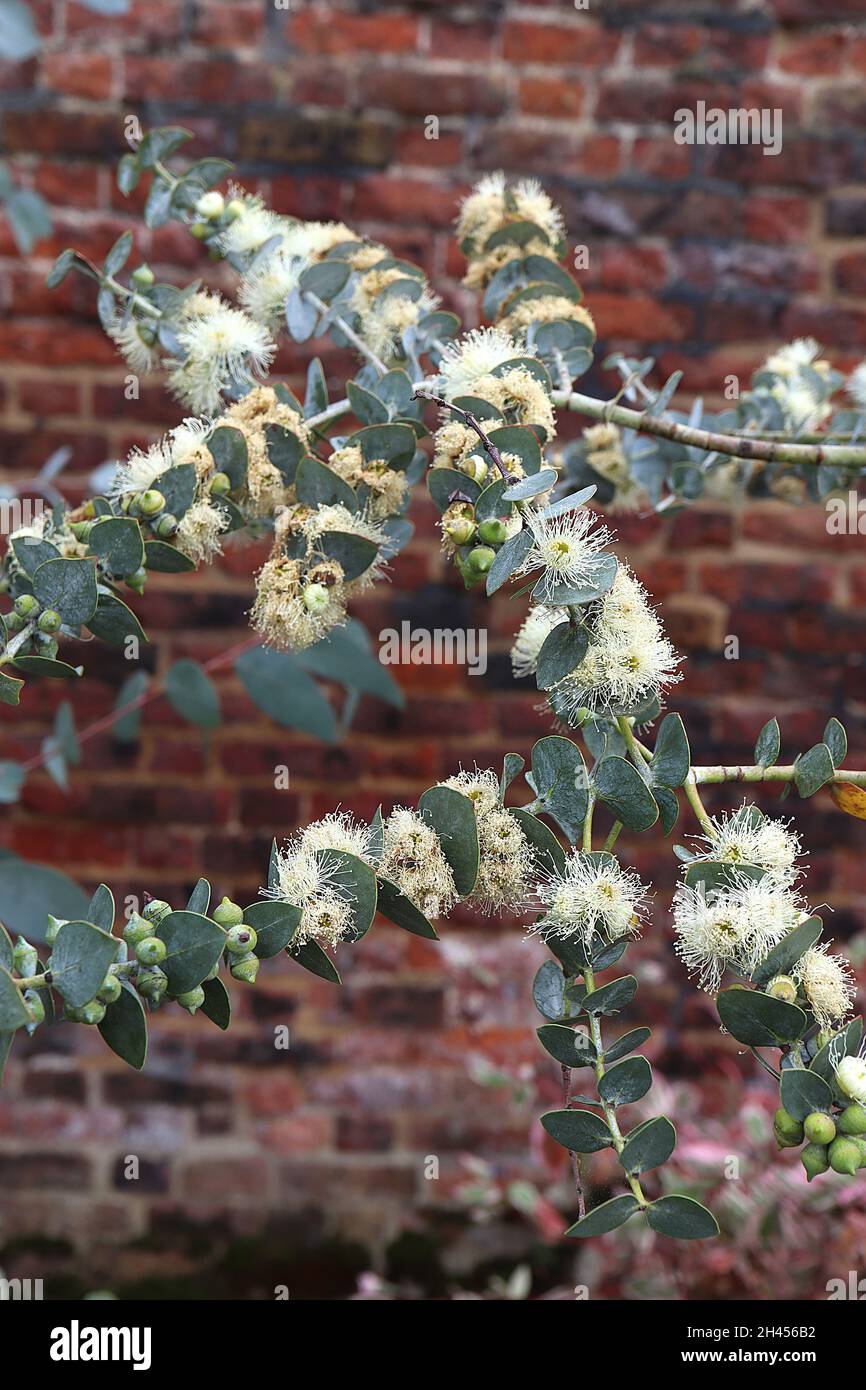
{"x": 682, "y": 1217}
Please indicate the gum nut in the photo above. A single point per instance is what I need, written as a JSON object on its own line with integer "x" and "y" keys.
{"x": 852, "y": 1120}
{"x": 227, "y": 913}
{"x": 192, "y": 999}
{"x": 819, "y": 1128}
{"x": 814, "y": 1160}
{"x": 782, "y": 987}
{"x": 240, "y": 939}
{"x": 844, "y": 1156}
{"x": 785, "y": 1124}
{"x": 110, "y": 990}
{"x": 155, "y": 910}
{"x": 136, "y": 930}
{"x": 151, "y": 951}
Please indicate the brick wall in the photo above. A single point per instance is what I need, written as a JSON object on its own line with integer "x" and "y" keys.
{"x": 705, "y": 257}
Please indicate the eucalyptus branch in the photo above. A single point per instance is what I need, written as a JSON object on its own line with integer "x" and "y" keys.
{"x": 469, "y": 419}
{"x": 609, "y": 1110}
{"x": 708, "y": 441}
{"x": 349, "y": 333}
{"x": 15, "y": 643}
{"x": 784, "y": 772}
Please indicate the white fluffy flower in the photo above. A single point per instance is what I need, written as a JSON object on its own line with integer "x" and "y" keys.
{"x": 629, "y": 658}
{"x": 485, "y": 209}
{"x": 593, "y": 895}
{"x": 745, "y": 836}
{"x": 856, "y": 386}
{"x": 828, "y": 983}
{"x": 732, "y": 928}
{"x": 537, "y": 626}
{"x": 222, "y": 347}
{"x": 413, "y": 860}
{"x": 141, "y": 353}
{"x": 253, "y": 226}
{"x": 851, "y": 1078}
{"x": 566, "y": 547}
{"x": 506, "y": 859}
{"x": 790, "y": 359}
{"x": 308, "y": 878}
{"x": 264, "y": 289}
{"x": 475, "y": 355}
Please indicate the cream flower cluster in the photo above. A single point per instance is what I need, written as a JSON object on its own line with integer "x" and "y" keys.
{"x": 264, "y": 488}
{"x": 594, "y": 897}
{"x": 410, "y": 856}
{"x": 473, "y": 366}
{"x": 492, "y": 205}
{"x": 506, "y": 859}
{"x": 746, "y": 836}
{"x": 732, "y": 928}
{"x": 828, "y": 984}
{"x": 308, "y": 878}
{"x": 629, "y": 659}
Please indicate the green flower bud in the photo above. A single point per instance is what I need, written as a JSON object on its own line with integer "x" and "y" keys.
{"x": 192, "y": 999}
{"x": 34, "y": 1002}
{"x": 81, "y": 529}
{"x": 14, "y": 623}
{"x": 142, "y": 277}
{"x": 151, "y": 502}
{"x": 493, "y": 531}
{"x": 234, "y": 209}
{"x": 49, "y": 620}
{"x": 45, "y": 645}
{"x": 246, "y": 968}
{"x": 227, "y": 914}
{"x": 474, "y": 467}
{"x": 137, "y": 579}
{"x": 220, "y": 485}
{"x": 152, "y": 984}
{"x": 315, "y": 598}
{"x": 814, "y": 1159}
{"x": 110, "y": 990}
{"x": 167, "y": 526}
{"x": 210, "y": 205}
{"x": 27, "y": 606}
{"x": 54, "y": 925}
{"x": 154, "y": 910}
{"x": 782, "y": 987}
{"x": 480, "y": 559}
{"x": 136, "y": 930}
{"x": 151, "y": 951}
{"x": 852, "y": 1120}
{"x": 240, "y": 939}
{"x": 844, "y": 1154}
{"x": 24, "y": 957}
{"x": 819, "y": 1128}
{"x": 200, "y": 230}
{"x": 91, "y": 1013}
{"x": 788, "y": 1131}
{"x": 460, "y": 530}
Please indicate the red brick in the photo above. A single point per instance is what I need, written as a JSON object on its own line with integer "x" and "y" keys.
{"x": 411, "y": 92}
{"x": 317, "y": 31}
{"x": 79, "y": 74}
{"x": 584, "y": 43}
{"x": 545, "y": 96}
{"x": 818, "y": 55}
{"x": 638, "y": 318}
{"x": 378, "y": 197}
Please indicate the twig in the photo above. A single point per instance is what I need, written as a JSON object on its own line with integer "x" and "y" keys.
{"x": 575, "y": 1158}
{"x": 349, "y": 333}
{"x": 473, "y": 424}
{"x": 147, "y": 697}
{"x": 737, "y": 446}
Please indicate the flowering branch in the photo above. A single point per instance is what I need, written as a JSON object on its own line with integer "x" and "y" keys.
{"x": 709, "y": 441}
